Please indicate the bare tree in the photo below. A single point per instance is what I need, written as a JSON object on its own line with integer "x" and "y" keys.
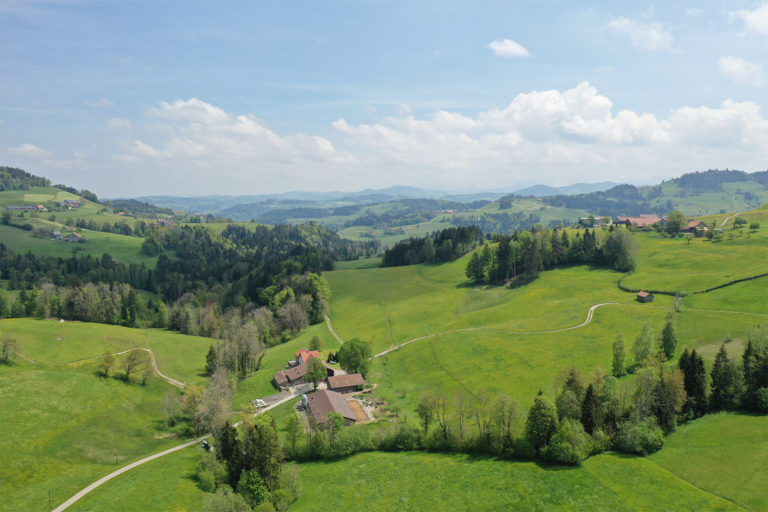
{"x": 214, "y": 408}
{"x": 107, "y": 362}
{"x": 442, "y": 413}
{"x": 131, "y": 362}
{"x": 480, "y": 410}
{"x": 460, "y": 403}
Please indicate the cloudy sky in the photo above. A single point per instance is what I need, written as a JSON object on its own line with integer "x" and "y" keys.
{"x": 191, "y": 98}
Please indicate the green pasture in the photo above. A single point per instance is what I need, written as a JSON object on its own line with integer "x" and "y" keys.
{"x": 168, "y": 483}
{"x": 724, "y": 454}
{"x": 424, "y": 481}
{"x": 51, "y": 342}
{"x": 70, "y": 426}
{"x": 388, "y": 306}
{"x": 67, "y": 427}
{"x": 126, "y": 249}
{"x": 699, "y": 264}
{"x": 730, "y": 199}
{"x": 748, "y": 296}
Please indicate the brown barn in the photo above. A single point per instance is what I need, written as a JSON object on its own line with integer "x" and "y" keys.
{"x": 346, "y": 383}
{"x": 644, "y": 297}
{"x": 325, "y": 401}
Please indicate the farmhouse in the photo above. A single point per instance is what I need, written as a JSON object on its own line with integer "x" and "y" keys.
{"x": 346, "y": 383}
{"x": 56, "y": 235}
{"x": 324, "y": 402}
{"x": 303, "y": 355}
{"x": 644, "y": 297}
{"x": 295, "y": 375}
{"x": 696, "y": 228}
{"x": 643, "y": 221}
{"x": 74, "y": 237}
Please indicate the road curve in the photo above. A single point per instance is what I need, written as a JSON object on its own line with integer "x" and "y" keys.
{"x": 153, "y": 362}
{"x": 132, "y": 465}
{"x": 725, "y": 221}
{"x": 330, "y": 328}
{"x": 590, "y": 315}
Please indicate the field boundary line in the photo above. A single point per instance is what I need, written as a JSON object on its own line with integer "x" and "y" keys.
{"x": 590, "y": 316}
{"x": 706, "y": 491}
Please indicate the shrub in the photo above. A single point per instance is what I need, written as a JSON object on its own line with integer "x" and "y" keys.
{"x": 601, "y": 442}
{"x": 522, "y": 449}
{"x": 761, "y": 399}
{"x": 641, "y": 437}
{"x": 252, "y": 487}
{"x": 570, "y": 445}
{"x": 206, "y": 481}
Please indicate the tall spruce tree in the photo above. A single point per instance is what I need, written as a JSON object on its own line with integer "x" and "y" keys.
{"x": 722, "y": 381}
{"x": 590, "y": 410}
{"x": 668, "y": 339}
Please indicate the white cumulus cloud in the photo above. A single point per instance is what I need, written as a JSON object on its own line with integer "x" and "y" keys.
{"x": 755, "y": 20}
{"x": 30, "y": 151}
{"x": 741, "y": 70}
{"x": 508, "y": 48}
{"x": 646, "y": 36}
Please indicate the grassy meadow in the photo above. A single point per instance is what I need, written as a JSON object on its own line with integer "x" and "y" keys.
{"x": 426, "y": 481}
{"x": 70, "y": 426}
{"x": 724, "y": 454}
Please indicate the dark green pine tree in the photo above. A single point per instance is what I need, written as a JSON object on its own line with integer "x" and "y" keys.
{"x": 722, "y": 382}
{"x": 695, "y": 382}
{"x": 668, "y": 339}
{"x": 590, "y": 410}
{"x": 211, "y": 361}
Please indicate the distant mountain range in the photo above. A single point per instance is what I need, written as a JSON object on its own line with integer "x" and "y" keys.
{"x": 221, "y": 204}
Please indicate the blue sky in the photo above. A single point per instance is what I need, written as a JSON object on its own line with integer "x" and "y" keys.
{"x": 136, "y": 98}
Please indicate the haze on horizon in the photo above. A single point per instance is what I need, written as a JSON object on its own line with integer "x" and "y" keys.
{"x": 145, "y": 98}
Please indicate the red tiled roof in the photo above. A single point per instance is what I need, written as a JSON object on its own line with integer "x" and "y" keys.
{"x": 643, "y": 294}
{"x": 693, "y": 224}
{"x": 323, "y": 402}
{"x": 306, "y": 354}
{"x": 644, "y": 220}
{"x": 344, "y": 381}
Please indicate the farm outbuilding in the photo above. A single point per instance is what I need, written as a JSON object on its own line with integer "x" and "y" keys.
{"x": 644, "y": 297}
{"x": 346, "y": 383}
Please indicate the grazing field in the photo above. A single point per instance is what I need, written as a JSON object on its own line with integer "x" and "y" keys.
{"x": 725, "y": 454}
{"x": 675, "y": 264}
{"x": 169, "y": 483}
{"x": 424, "y": 481}
{"x": 51, "y": 342}
{"x": 70, "y": 426}
{"x": 126, "y": 249}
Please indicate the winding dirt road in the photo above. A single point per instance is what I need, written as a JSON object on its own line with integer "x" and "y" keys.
{"x": 153, "y": 362}
{"x": 590, "y": 315}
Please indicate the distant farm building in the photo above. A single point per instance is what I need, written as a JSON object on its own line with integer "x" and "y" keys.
{"x": 56, "y": 235}
{"x": 644, "y": 297}
{"x": 74, "y": 237}
{"x": 324, "y": 402}
{"x": 303, "y": 356}
{"x": 696, "y": 228}
{"x": 346, "y": 383}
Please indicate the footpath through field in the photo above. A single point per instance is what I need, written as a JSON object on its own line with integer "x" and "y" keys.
{"x": 153, "y": 362}
{"x": 330, "y": 328}
{"x": 586, "y": 322}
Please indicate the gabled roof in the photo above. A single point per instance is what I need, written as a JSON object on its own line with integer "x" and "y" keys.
{"x": 643, "y": 294}
{"x": 644, "y": 220}
{"x": 344, "y": 381}
{"x": 323, "y": 402}
{"x": 306, "y": 354}
{"x": 692, "y": 224}
{"x": 295, "y": 373}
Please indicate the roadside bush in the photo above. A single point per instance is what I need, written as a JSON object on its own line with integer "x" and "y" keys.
{"x": 641, "y": 437}
{"x": 252, "y": 488}
{"x": 210, "y": 472}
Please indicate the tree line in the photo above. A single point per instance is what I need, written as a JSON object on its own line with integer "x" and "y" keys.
{"x": 440, "y": 246}
{"x": 522, "y": 256}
